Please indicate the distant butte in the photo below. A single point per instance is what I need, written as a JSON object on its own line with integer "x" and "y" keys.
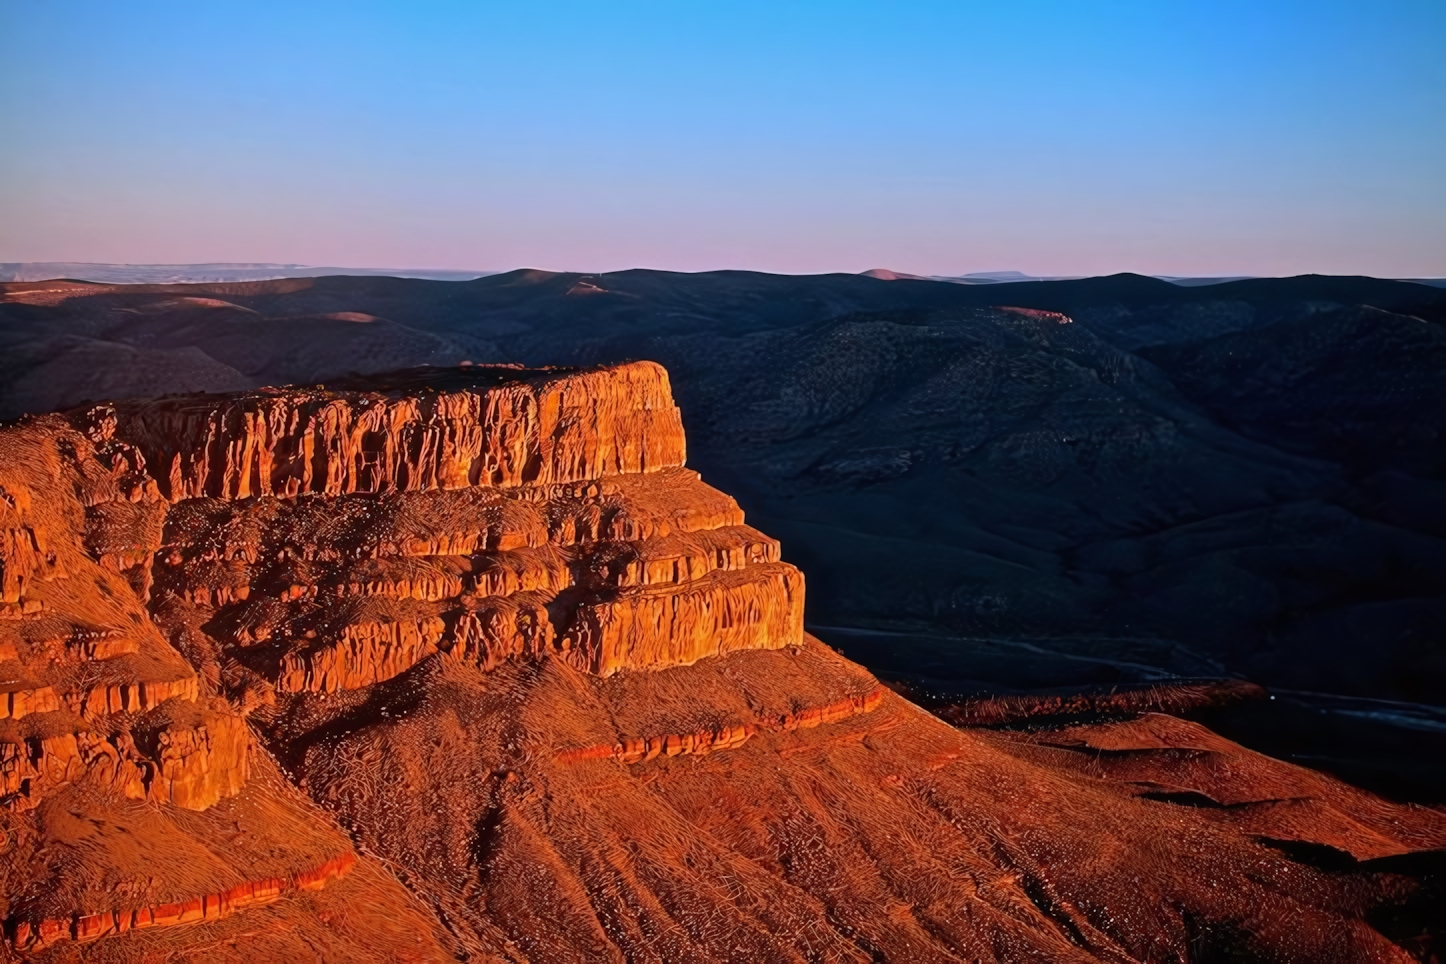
{"x": 465, "y": 664}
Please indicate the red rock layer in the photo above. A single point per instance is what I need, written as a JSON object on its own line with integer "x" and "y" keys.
{"x": 29, "y": 936}
{"x": 683, "y": 557}
{"x": 136, "y": 696}
{"x": 833, "y": 712}
{"x": 711, "y": 740}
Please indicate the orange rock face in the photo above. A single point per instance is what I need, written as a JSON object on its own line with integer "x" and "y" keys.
{"x": 724, "y": 612}
{"x": 558, "y": 428}
{"x": 561, "y": 696}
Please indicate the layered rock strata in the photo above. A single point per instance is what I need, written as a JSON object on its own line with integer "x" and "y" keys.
{"x": 88, "y": 927}
{"x": 168, "y": 567}
{"x": 479, "y": 634}
{"x": 726, "y": 737}
{"x": 563, "y": 427}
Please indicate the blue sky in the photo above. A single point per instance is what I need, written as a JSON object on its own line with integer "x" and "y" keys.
{"x": 1048, "y": 137}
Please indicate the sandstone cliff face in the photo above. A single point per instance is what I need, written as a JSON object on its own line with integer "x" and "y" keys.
{"x": 721, "y": 613}
{"x": 167, "y": 567}
{"x": 551, "y": 428}
{"x": 157, "y": 558}
{"x": 491, "y": 522}
{"x": 490, "y": 624}
{"x": 83, "y": 668}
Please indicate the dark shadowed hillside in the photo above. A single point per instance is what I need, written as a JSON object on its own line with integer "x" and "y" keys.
{"x": 1058, "y": 486}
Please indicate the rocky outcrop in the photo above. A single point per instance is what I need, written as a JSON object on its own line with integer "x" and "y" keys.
{"x": 16, "y": 703}
{"x": 297, "y": 544}
{"x": 724, "y": 612}
{"x": 522, "y": 428}
{"x": 332, "y": 540}
{"x": 32, "y": 765}
{"x": 199, "y": 757}
{"x": 34, "y": 935}
{"x": 500, "y": 628}
{"x": 726, "y": 737}
{"x": 134, "y": 697}
{"x": 22, "y": 559}
{"x": 336, "y": 594}
{"x": 183, "y": 754}
{"x": 366, "y": 653}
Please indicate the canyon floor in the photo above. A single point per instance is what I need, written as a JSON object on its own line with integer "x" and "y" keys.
{"x": 465, "y": 663}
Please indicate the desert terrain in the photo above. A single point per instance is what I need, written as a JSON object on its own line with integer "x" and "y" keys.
{"x": 464, "y": 663}
{"x": 1059, "y": 487}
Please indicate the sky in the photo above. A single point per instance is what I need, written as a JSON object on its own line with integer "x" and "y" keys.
{"x": 1053, "y": 138}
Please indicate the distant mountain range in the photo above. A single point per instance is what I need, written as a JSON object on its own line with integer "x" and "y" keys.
{"x": 122, "y": 274}
{"x": 1013, "y": 277}
{"x": 160, "y": 274}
